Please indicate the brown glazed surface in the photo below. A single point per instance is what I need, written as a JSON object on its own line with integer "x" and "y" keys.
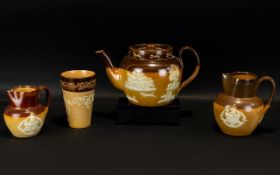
{"x": 23, "y": 100}
{"x": 25, "y": 116}
{"x": 238, "y": 110}
{"x": 78, "y": 87}
{"x": 77, "y": 80}
{"x": 150, "y": 75}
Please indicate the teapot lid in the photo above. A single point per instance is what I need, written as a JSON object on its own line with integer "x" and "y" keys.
{"x": 151, "y": 51}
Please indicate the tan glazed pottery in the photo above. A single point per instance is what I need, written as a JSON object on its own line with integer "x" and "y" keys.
{"x": 78, "y": 87}
{"x": 150, "y": 75}
{"x": 238, "y": 110}
{"x": 25, "y": 116}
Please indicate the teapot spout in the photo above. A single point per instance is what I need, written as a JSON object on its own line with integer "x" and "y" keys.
{"x": 106, "y": 59}
{"x": 114, "y": 74}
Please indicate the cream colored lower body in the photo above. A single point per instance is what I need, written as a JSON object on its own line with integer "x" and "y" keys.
{"x": 15, "y": 124}
{"x": 79, "y": 108}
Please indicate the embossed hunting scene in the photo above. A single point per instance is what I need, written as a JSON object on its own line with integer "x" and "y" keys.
{"x": 150, "y": 75}
{"x": 151, "y": 78}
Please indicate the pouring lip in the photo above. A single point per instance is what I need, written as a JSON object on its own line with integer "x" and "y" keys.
{"x": 23, "y": 86}
{"x": 248, "y": 76}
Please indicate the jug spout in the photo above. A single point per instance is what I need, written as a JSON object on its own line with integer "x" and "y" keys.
{"x": 239, "y": 84}
{"x": 114, "y": 74}
{"x": 225, "y": 75}
{"x": 15, "y": 98}
{"x": 106, "y": 59}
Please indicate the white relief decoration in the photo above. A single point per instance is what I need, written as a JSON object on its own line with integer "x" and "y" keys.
{"x": 174, "y": 72}
{"x": 232, "y": 117}
{"x": 17, "y": 100}
{"x": 31, "y": 125}
{"x": 144, "y": 94}
{"x": 168, "y": 96}
{"x": 173, "y": 85}
{"x": 137, "y": 81}
{"x": 174, "y": 76}
{"x": 81, "y": 101}
{"x": 132, "y": 98}
{"x": 85, "y": 100}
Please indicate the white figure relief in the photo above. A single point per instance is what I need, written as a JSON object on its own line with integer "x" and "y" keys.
{"x": 137, "y": 81}
{"x": 232, "y": 117}
{"x": 174, "y": 76}
{"x": 167, "y": 97}
{"x": 132, "y": 98}
{"x": 31, "y": 125}
{"x": 85, "y": 101}
{"x": 17, "y": 100}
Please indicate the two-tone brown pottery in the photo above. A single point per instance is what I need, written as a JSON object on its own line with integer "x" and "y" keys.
{"x": 150, "y": 75}
{"x": 25, "y": 116}
{"x": 78, "y": 87}
{"x": 238, "y": 110}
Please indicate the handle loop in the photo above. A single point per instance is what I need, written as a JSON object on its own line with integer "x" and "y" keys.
{"x": 267, "y": 78}
{"x": 47, "y": 94}
{"x": 196, "y": 70}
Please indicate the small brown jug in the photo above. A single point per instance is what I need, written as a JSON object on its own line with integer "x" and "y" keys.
{"x": 25, "y": 116}
{"x": 238, "y": 110}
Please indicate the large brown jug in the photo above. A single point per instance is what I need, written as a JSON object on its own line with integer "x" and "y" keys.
{"x": 238, "y": 110}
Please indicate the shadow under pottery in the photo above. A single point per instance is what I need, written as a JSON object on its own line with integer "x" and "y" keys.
{"x": 111, "y": 115}
{"x": 258, "y": 131}
{"x": 264, "y": 130}
{"x": 60, "y": 120}
{"x": 186, "y": 114}
{"x": 5, "y": 133}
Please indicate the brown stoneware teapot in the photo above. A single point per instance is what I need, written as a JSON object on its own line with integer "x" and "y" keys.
{"x": 238, "y": 110}
{"x": 150, "y": 75}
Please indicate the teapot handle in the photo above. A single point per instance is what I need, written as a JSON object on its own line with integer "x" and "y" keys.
{"x": 196, "y": 70}
{"x": 47, "y": 93}
{"x": 267, "y": 78}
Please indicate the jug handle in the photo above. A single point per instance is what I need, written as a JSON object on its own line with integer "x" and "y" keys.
{"x": 196, "y": 70}
{"x": 267, "y": 78}
{"x": 47, "y": 94}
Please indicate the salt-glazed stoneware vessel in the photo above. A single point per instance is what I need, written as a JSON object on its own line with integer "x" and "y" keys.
{"x": 78, "y": 87}
{"x": 25, "y": 116}
{"x": 150, "y": 75}
{"x": 238, "y": 110}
